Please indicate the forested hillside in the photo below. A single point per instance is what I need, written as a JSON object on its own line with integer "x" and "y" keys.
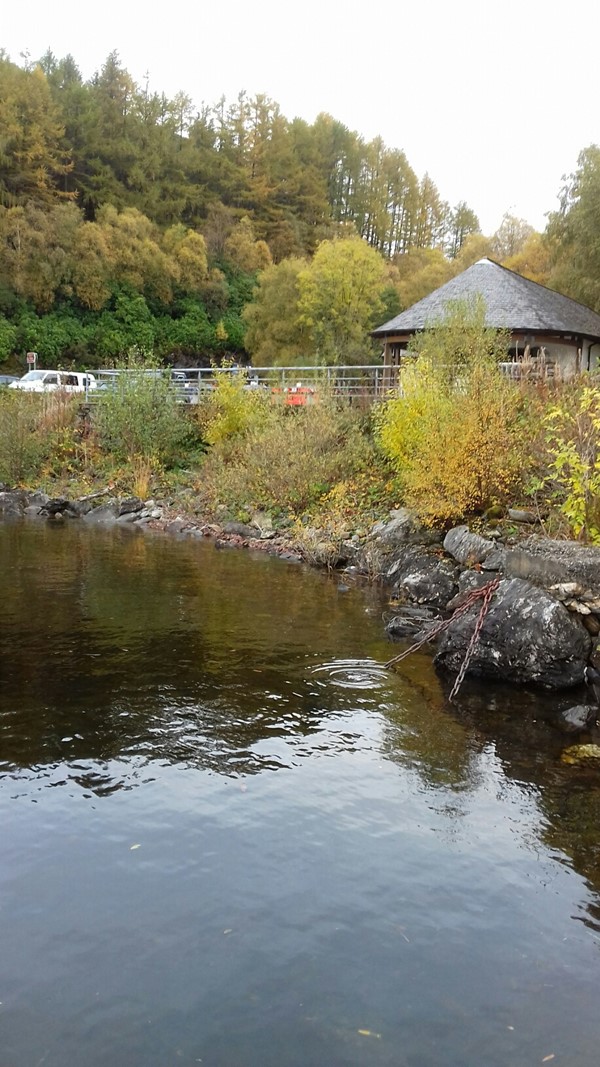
{"x": 130, "y": 219}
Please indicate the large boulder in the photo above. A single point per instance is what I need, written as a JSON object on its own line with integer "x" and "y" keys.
{"x": 389, "y": 540}
{"x": 468, "y": 582}
{"x": 423, "y": 577}
{"x": 527, "y": 637}
{"x": 105, "y": 515}
{"x": 467, "y": 547}
{"x": 130, "y": 506}
{"x": 402, "y": 528}
{"x": 13, "y": 504}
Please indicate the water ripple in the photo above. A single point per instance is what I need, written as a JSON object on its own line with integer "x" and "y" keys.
{"x": 353, "y": 674}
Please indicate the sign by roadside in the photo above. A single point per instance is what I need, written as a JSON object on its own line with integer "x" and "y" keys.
{"x": 31, "y": 358}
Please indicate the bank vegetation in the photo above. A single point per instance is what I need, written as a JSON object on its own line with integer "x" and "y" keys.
{"x": 457, "y": 441}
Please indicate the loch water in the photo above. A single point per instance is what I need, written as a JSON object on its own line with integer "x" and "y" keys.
{"x": 229, "y": 837}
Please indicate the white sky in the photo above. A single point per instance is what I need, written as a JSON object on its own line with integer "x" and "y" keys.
{"x": 495, "y": 100}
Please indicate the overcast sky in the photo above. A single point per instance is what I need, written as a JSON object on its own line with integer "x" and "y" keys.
{"x": 494, "y": 100}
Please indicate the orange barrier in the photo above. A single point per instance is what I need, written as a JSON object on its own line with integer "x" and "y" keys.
{"x": 295, "y": 396}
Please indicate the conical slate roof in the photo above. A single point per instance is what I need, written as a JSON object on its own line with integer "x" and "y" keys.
{"x": 512, "y": 302}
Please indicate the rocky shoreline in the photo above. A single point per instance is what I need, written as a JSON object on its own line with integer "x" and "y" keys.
{"x": 543, "y": 624}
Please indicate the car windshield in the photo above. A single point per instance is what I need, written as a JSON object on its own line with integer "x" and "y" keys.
{"x": 33, "y": 375}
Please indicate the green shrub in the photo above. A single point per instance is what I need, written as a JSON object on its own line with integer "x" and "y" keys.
{"x": 140, "y": 417}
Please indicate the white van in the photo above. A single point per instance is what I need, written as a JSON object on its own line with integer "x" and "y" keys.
{"x": 49, "y": 381}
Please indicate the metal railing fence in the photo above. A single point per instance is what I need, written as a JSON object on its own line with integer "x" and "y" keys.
{"x": 190, "y": 384}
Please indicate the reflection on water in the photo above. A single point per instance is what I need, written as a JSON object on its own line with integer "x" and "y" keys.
{"x": 230, "y": 837}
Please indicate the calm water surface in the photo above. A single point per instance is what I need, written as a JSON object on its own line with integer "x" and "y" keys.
{"x": 228, "y": 837}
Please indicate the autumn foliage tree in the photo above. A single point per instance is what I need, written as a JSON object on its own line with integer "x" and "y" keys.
{"x": 453, "y": 433}
{"x": 340, "y": 299}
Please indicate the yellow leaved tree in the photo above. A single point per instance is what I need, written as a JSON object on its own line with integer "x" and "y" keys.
{"x": 453, "y": 432}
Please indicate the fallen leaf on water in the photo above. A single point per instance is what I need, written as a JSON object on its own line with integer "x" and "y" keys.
{"x": 133, "y": 847}
{"x": 369, "y": 1033}
{"x": 579, "y": 754}
{"x": 546, "y": 1058}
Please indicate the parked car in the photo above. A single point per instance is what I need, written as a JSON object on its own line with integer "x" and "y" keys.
{"x": 7, "y": 379}
{"x": 49, "y": 381}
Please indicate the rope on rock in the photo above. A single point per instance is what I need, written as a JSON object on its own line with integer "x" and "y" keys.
{"x": 485, "y": 594}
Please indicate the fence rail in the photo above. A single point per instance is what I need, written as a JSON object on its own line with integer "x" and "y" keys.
{"x": 364, "y": 382}
{"x": 190, "y": 384}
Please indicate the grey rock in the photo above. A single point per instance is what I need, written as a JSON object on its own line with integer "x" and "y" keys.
{"x": 424, "y": 577}
{"x": 565, "y": 590}
{"x": 468, "y": 581}
{"x": 60, "y": 505}
{"x": 176, "y": 526}
{"x": 467, "y": 547}
{"x": 104, "y": 515}
{"x": 399, "y": 529}
{"x": 578, "y": 718}
{"x": 496, "y": 561}
{"x": 527, "y": 637}
{"x": 592, "y": 677}
{"x": 351, "y": 548}
{"x": 263, "y": 522}
{"x": 545, "y": 562}
{"x": 240, "y": 529}
{"x": 410, "y": 621}
{"x": 38, "y": 498}
{"x": 127, "y": 518}
{"x": 13, "y": 504}
{"x": 83, "y": 507}
{"x": 521, "y": 515}
{"x": 131, "y": 504}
